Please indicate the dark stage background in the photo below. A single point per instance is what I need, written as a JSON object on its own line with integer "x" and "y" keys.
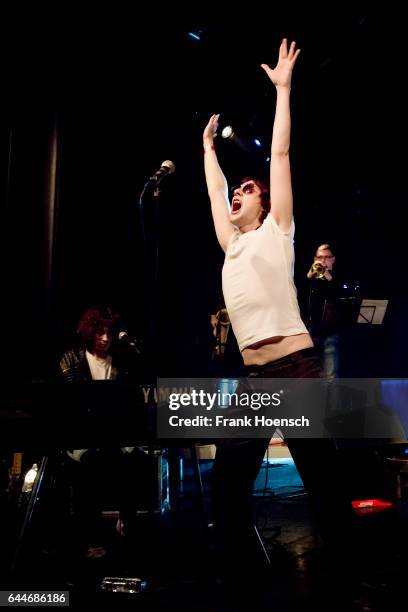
{"x": 95, "y": 102}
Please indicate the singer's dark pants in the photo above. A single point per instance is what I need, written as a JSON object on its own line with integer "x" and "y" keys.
{"x": 237, "y": 464}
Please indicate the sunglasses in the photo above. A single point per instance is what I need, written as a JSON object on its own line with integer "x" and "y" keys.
{"x": 246, "y": 188}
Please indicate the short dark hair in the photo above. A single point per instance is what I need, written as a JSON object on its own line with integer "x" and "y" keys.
{"x": 93, "y": 321}
{"x": 265, "y": 195}
{"x": 325, "y": 247}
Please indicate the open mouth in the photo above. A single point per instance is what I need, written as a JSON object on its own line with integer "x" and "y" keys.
{"x": 236, "y": 206}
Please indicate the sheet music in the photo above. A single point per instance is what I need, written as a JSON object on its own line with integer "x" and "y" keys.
{"x": 372, "y": 311}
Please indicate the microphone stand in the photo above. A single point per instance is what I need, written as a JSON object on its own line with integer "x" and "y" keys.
{"x": 151, "y": 271}
{"x": 309, "y": 305}
{"x": 151, "y": 267}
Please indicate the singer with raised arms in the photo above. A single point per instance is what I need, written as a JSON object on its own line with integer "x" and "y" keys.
{"x": 256, "y": 232}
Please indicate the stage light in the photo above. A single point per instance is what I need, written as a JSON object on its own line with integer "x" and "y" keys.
{"x": 227, "y": 132}
{"x": 194, "y": 35}
{"x": 29, "y": 479}
{"x": 370, "y": 503}
{"x": 257, "y": 142}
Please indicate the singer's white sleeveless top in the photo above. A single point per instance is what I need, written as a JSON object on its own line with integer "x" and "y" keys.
{"x": 257, "y": 282}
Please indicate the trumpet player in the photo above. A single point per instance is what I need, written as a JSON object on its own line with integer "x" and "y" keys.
{"x": 323, "y": 317}
{"x": 322, "y": 266}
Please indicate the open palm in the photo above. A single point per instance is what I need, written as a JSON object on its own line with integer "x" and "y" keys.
{"x": 210, "y": 131}
{"x": 281, "y": 75}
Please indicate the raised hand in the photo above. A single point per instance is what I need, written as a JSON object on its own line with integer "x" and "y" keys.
{"x": 281, "y": 75}
{"x": 210, "y": 131}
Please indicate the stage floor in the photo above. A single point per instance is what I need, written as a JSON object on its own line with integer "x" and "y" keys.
{"x": 172, "y": 552}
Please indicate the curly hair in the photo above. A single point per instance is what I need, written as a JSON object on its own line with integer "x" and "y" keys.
{"x": 265, "y": 195}
{"x": 94, "y": 320}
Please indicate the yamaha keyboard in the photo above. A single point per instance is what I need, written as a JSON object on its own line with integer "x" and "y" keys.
{"x": 77, "y": 415}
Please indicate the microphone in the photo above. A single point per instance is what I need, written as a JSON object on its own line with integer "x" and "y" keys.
{"x": 124, "y": 338}
{"x": 165, "y": 169}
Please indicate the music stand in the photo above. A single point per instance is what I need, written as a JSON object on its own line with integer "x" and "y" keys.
{"x": 340, "y": 308}
{"x": 372, "y": 311}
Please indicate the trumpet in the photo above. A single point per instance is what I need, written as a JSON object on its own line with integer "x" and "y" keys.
{"x": 318, "y": 269}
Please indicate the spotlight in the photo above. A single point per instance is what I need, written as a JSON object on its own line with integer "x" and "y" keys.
{"x": 194, "y": 35}
{"x": 257, "y": 142}
{"x": 29, "y": 479}
{"x": 227, "y": 132}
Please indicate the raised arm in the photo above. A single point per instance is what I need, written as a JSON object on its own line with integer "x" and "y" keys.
{"x": 216, "y": 185}
{"x": 280, "y": 177}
